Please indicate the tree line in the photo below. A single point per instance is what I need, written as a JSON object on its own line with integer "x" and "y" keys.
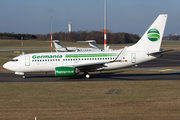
{"x": 112, "y": 38}
{"x": 17, "y": 36}
{"x": 172, "y": 37}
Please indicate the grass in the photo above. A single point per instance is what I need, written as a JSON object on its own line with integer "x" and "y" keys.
{"x": 45, "y": 44}
{"x": 36, "y": 44}
{"x": 88, "y": 100}
{"x": 171, "y": 43}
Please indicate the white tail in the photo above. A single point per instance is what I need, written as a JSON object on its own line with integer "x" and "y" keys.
{"x": 57, "y": 44}
{"x": 92, "y": 43}
{"x": 152, "y": 38}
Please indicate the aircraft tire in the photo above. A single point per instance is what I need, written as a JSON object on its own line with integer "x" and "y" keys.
{"x": 87, "y": 76}
{"x": 23, "y": 76}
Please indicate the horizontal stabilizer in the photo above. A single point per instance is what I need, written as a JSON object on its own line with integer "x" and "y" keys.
{"x": 161, "y": 52}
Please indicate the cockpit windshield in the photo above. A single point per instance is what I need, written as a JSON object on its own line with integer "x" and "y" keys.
{"x": 14, "y": 60}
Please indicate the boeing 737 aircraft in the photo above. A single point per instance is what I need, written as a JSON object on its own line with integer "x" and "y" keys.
{"x": 92, "y": 44}
{"x": 71, "y": 63}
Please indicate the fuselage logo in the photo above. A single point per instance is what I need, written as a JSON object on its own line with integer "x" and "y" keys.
{"x": 153, "y": 35}
{"x": 46, "y": 56}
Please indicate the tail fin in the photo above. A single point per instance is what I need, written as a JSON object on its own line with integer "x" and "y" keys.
{"x": 151, "y": 40}
{"x": 92, "y": 43}
{"x": 57, "y": 44}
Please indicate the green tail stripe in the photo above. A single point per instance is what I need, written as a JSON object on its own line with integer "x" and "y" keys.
{"x": 153, "y": 36}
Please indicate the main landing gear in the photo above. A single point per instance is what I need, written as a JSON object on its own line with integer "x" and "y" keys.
{"x": 86, "y": 75}
{"x": 23, "y": 76}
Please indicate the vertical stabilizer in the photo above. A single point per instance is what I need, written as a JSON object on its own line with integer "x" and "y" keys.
{"x": 57, "y": 44}
{"x": 152, "y": 38}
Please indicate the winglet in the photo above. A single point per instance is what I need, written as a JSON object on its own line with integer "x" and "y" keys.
{"x": 121, "y": 54}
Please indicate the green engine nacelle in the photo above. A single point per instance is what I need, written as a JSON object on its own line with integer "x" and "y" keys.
{"x": 64, "y": 71}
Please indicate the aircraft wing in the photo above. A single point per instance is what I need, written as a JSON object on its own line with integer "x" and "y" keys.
{"x": 161, "y": 52}
{"x": 96, "y": 65}
{"x": 87, "y": 65}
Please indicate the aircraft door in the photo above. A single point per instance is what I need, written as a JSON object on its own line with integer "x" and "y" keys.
{"x": 27, "y": 61}
{"x": 133, "y": 57}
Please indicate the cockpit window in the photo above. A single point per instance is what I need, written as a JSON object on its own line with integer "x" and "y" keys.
{"x": 14, "y": 60}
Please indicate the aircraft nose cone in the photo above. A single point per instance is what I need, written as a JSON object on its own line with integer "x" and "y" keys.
{"x": 6, "y": 65}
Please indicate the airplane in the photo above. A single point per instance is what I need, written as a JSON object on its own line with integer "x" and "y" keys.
{"x": 72, "y": 63}
{"x": 92, "y": 43}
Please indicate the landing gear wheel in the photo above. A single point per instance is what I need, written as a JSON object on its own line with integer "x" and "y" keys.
{"x": 87, "y": 75}
{"x": 23, "y": 76}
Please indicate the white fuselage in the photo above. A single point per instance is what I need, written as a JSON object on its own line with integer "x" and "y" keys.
{"x": 38, "y": 62}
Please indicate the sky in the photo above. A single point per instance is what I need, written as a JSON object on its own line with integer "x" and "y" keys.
{"x": 130, "y": 16}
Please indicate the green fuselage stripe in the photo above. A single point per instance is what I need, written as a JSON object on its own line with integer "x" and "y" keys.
{"x": 91, "y": 55}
